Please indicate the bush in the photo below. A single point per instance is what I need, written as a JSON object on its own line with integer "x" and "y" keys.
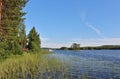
{"x": 7, "y": 48}
{"x": 3, "y": 53}
{"x": 16, "y": 48}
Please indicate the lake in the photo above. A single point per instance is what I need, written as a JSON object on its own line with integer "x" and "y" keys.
{"x": 96, "y": 64}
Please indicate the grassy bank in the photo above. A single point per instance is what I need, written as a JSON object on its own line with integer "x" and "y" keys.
{"x": 30, "y": 66}
{"x": 34, "y": 66}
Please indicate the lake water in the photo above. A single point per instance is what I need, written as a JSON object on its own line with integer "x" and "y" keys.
{"x": 96, "y": 64}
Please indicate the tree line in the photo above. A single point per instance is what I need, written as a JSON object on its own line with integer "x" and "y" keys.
{"x": 13, "y": 38}
{"x": 76, "y": 46}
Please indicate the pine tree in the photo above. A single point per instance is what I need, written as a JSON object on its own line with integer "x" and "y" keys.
{"x": 12, "y": 18}
{"x": 34, "y": 40}
{"x": 12, "y": 22}
{"x": 22, "y": 37}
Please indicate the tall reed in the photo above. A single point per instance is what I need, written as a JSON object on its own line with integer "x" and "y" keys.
{"x": 35, "y": 66}
{"x": 28, "y": 66}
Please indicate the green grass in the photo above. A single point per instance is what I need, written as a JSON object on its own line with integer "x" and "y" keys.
{"x": 34, "y": 66}
{"x": 30, "y": 65}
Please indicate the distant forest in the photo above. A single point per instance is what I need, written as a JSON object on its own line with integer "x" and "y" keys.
{"x": 104, "y": 47}
{"x": 108, "y": 47}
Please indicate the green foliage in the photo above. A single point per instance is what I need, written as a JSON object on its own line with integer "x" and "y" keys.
{"x": 16, "y": 48}
{"x": 34, "y": 65}
{"x": 4, "y": 50}
{"x": 34, "y": 40}
{"x": 2, "y": 53}
{"x": 22, "y": 36}
{"x": 63, "y": 48}
{"x": 9, "y": 48}
{"x": 12, "y": 18}
{"x": 75, "y": 46}
{"x": 104, "y": 47}
{"x": 12, "y": 28}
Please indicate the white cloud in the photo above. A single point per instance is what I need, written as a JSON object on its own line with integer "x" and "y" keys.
{"x": 84, "y": 42}
{"x": 83, "y": 17}
{"x": 96, "y": 30}
{"x": 54, "y": 44}
{"x": 43, "y": 39}
{"x": 46, "y": 42}
{"x": 97, "y": 42}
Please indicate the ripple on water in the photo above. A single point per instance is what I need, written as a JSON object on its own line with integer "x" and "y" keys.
{"x": 102, "y": 64}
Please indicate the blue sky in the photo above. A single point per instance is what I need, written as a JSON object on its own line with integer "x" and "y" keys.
{"x": 63, "y": 22}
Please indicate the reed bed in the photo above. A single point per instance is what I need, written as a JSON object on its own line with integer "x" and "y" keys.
{"x": 31, "y": 66}
{"x": 34, "y": 66}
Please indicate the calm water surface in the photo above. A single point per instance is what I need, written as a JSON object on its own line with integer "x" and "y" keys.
{"x": 96, "y": 64}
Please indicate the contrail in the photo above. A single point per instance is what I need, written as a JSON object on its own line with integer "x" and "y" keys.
{"x": 95, "y": 29}
{"x": 83, "y": 16}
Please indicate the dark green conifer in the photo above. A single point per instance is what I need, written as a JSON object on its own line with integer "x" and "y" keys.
{"x": 34, "y": 40}
{"x": 12, "y": 25}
